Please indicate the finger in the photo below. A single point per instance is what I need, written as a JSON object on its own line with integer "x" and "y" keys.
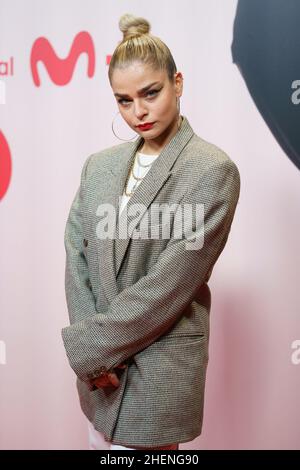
{"x": 98, "y": 383}
{"x": 113, "y": 379}
{"x": 101, "y": 381}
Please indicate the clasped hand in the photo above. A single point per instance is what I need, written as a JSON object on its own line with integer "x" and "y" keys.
{"x": 108, "y": 379}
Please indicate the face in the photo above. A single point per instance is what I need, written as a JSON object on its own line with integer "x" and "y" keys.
{"x": 156, "y": 104}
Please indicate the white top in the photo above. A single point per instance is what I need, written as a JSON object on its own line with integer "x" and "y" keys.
{"x": 139, "y": 171}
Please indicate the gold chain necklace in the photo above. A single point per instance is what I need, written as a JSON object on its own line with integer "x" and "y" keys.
{"x": 136, "y": 177}
{"x": 142, "y": 164}
{"x": 136, "y": 182}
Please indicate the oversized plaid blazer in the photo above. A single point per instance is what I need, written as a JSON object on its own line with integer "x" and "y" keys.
{"x": 146, "y": 301}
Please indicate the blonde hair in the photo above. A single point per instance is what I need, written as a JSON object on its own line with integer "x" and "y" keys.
{"x": 139, "y": 45}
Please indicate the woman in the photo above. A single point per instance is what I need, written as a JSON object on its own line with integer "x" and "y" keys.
{"x": 138, "y": 304}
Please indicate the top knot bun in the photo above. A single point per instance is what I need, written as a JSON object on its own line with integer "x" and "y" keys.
{"x": 131, "y": 25}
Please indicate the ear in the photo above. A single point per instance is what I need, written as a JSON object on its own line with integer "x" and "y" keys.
{"x": 178, "y": 80}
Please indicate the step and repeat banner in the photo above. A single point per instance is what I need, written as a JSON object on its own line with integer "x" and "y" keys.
{"x": 239, "y": 60}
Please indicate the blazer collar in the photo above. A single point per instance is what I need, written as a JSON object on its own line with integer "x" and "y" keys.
{"x": 112, "y": 251}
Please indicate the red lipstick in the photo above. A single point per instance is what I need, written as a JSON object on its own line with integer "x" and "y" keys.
{"x": 146, "y": 126}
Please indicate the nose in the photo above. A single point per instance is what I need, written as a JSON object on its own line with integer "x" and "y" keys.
{"x": 139, "y": 110}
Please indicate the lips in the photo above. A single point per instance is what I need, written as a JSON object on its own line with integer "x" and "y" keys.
{"x": 146, "y": 126}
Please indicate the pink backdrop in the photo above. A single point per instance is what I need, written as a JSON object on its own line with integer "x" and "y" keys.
{"x": 56, "y": 108}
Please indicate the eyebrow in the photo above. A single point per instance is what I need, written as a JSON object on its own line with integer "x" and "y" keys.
{"x": 142, "y": 90}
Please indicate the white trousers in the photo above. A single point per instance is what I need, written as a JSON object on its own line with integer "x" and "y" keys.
{"x": 97, "y": 441}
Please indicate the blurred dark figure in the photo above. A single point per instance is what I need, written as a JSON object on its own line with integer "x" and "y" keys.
{"x": 266, "y": 48}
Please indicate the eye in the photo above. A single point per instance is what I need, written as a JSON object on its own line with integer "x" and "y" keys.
{"x": 121, "y": 101}
{"x": 151, "y": 93}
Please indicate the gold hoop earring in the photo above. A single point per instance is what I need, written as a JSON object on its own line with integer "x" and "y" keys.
{"x": 112, "y": 126}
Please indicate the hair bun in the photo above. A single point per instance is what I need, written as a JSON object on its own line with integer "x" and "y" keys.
{"x": 131, "y": 25}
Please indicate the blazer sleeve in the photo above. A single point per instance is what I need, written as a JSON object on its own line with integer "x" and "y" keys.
{"x": 144, "y": 311}
{"x": 79, "y": 296}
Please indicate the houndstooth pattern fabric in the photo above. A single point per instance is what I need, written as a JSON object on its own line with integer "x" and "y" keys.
{"x": 146, "y": 302}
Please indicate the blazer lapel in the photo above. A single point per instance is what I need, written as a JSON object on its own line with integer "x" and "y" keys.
{"x": 112, "y": 251}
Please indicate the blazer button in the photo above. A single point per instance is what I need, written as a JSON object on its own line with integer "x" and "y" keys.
{"x": 85, "y": 242}
{"x": 88, "y": 283}
{"x": 102, "y": 370}
{"x": 97, "y": 373}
